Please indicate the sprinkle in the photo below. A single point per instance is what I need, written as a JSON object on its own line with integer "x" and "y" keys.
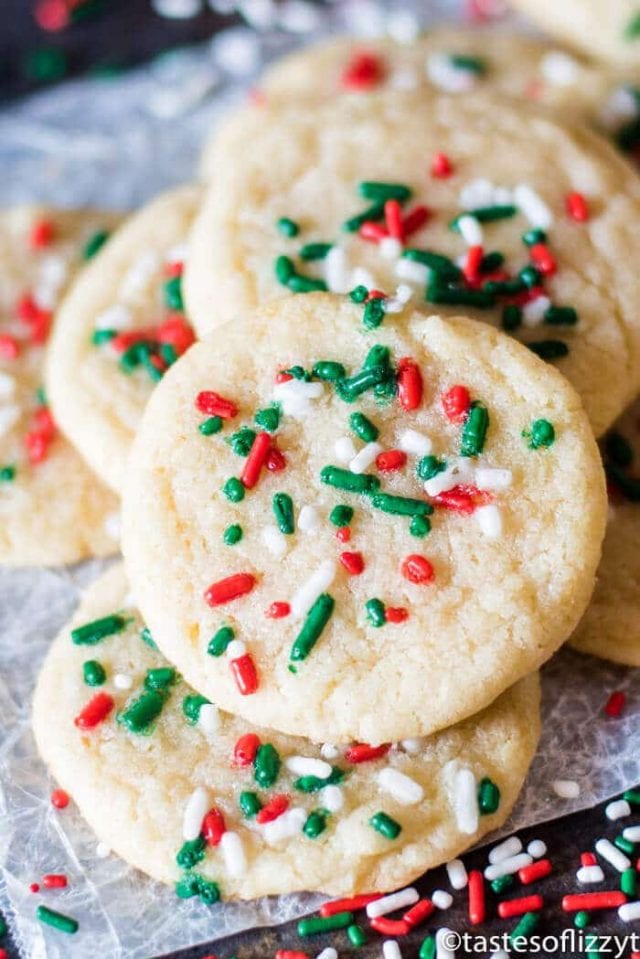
{"x": 504, "y": 850}
{"x": 329, "y": 371}
{"x": 525, "y": 927}
{"x": 348, "y": 481}
{"x": 532, "y": 206}
{"x": 382, "y": 906}
{"x": 566, "y": 788}
{"x": 352, "y": 562}
{"x": 590, "y": 874}
{"x": 59, "y": 799}
{"x": 443, "y": 936}
{"x": 537, "y": 870}
{"x": 308, "y": 519}
{"x": 517, "y": 907}
{"x": 142, "y": 712}
{"x": 488, "y": 797}
{"x": 296, "y": 396}
{"x": 244, "y": 672}
{"x": 317, "y": 583}
{"x": 331, "y": 798}
{"x": 208, "y": 719}
{"x": 318, "y": 924}
{"x": 612, "y": 855}
{"x": 232, "y": 534}
{"x": 344, "y": 449}
{"x": 577, "y": 207}
{"x": 477, "y": 908}
{"x": 362, "y": 460}
{"x": 249, "y": 804}
{"x": 99, "y": 629}
{"x": 615, "y": 704}
{"x": 233, "y": 853}
{"x": 233, "y": 490}
{"x": 560, "y": 315}
{"x": 414, "y": 443}
{"x": 287, "y": 227}
{"x": 212, "y": 404}
{"x": 474, "y": 430}
{"x": 213, "y": 827}
{"x": 629, "y": 911}
{"x": 226, "y": 590}
{"x": 54, "y": 881}
{"x": 390, "y": 927}
{"x": 274, "y": 540}
{"x": 57, "y": 920}
{"x": 364, "y": 71}
{"x": 317, "y": 618}
{"x": 456, "y": 403}
{"x": 417, "y": 569}
{"x": 465, "y": 801}
{"x": 255, "y": 460}
{"x": 537, "y": 848}
{"x": 278, "y": 610}
{"x": 93, "y": 673}
{"x": 593, "y": 900}
{"x": 266, "y": 765}
{"x": 403, "y": 789}
{"x": 283, "y": 510}
{"x": 396, "y": 614}
{"x": 341, "y": 515}
{"x": 617, "y": 810}
{"x": 210, "y": 426}
{"x": 122, "y": 681}
{"x": 470, "y": 229}
{"x": 441, "y": 899}
{"x": 220, "y": 641}
{"x": 489, "y": 520}
{"x": 95, "y": 711}
{"x": 246, "y": 749}
{"x": 441, "y": 166}
{"x": 363, "y": 427}
{"x": 375, "y": 612}
{"x": 385, "y": 825}
{"x": 507, "y": 867}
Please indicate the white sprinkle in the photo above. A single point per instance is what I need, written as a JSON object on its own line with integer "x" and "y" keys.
{"x": 566, "y": 788}
{"x": 559, "y": 68}
{"x": 296, "y": 16}
{"x": 274, "y": 540}
{"x": 365, "y": 457}
{"x": 9, "y": 416}
{"x": 612, "y": 855}
{"x": 457, "y": 873}
{"x": 443, "y": 481}
{"x": 632, "y": 833}
{"x": 507, "y": 867}
{"x": 285, "y": 826}
{"x": 391, "y": 949}
{"x": 509, "y": 847}
{"x": 475, "y": 193}
{"x": 537, "y": 848}
{"x": 122, "y": 681}
{"x": 629, "y": 911}
{"x": 403, "y": 789}
{"x": 397, "y": 900}
{"x": 53, "y": 271}
{"x": 328, "y": 953}
{"x": 177, "y": 9}
{"x": 209, "y": 719}
{"x": 411, "y": 746}
{"x": 499, "y": 954}
{"x": 306, "y": 766}
{"x": 344, "y": 449}
{"x": 533, "y": 312}
{"x": 403, "y": 26}
{"x": 308, "y": 519}
{"x": 412, "y": 271}
{"x": 589, "y": 874}
{"x": 443, "y": 936}
{"x": 139, "y": 275}
{"x": 329, "y": 751}
{"x": 102, "y": 850}
{"x": 389, "y": 248}
{"x": 116, "y": 317}
{"x": 470, "y": 230}
{"x": 414, "y": 443}
{"x": 617, "y": 810}
{"x": 194, "y": 812}
{"x": 319, "y": 581}
{"x": 233, "y": 852}
{"x": 441, "y": 899}
{"x": 489, "y": 519}
{"x": 465, "y": 801}
{"x": 445, "y": 75}
{"x": 295, "y": 397}
{"x": 337, "y": 272}
{"x": 331, "y": 798}
{"x": 493, "y": 479}
{"x": 113, "y": 525}
{"x": 237, "y": 51}
{"x": 397, "y": 302}
{"x": 532, "y": 206}
{"x": 7, "y": 386}
{"x": 236, "y": 649}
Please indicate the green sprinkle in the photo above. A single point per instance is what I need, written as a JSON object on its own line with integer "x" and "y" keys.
{"x": 313, "y": 784}
{"x": 191, "y": 853}
{"x": 57, "y": 919}
{"x": 430, "y": 466}
{"x": 7, "y": 474}
{"x": 233, "y": 490}
{"x": 549, "y": 349}
{"x": 329, "y": 371}
{"x": 625, "y": 845}
{"x": 485, "y": 214}
{"x": 3, "y": 927}
{"x": 401, "y": 505}
{"x": 268, "y": 419}
{"x": 525, "y": 927}
{"x": 147, "y": 638}
{"x": 45, "y": 64}
{"x": 501, "y": 884}
{"x": 210, "y": 426}
{"x": 207, "y": 891}
{"x": 373, "y": 314}
{"x": 99, "y": 629}
{"x": 287, "y": 227}
{"x": 378, "y": 355}
{"x": 632, "y": 796}
{"x": 218, "y": 644}
{"x": 419, "y": 526}
{"x": 350, "y": 482}
{"x": 488, "y": 797}
{"x": 375, "y": 612}
{"x": 632, "y": 27}
{"x": 232, "y": 534}
{"x": 581, "y": 919}
{"x": 98, "y": 337}
{"x": 315, "y": 251}
{"x": 284, "y": 269}
{"x": 530, "y": 276}
{"x": 445, "y": 268}
{"x": 306, "y": 284}
{"x": 561, "y": 316}
{"x": 463, "y": 61}
{"x": 618, "y": 449}
{"x": 380, "y": 192}
{"x": 315, "y": 824}
{"x": 298, "y": 373}
{"x": 168, "y": 353}
{"x": 317, "y": 924}
{"x": 629, "y": 882}
{"x": 491, "y": 261}
{"x": 143, "y": 711}
{"x": 474, "y": 431}
{"x": 93, "y": 673}
{"x": 532, "y": 237}
{"x": 191, "y": 706}
{"x": 504, "y": 287}
{"x": 249, "y": 804}
{"x": 511, "y": 317}
{"x": 375, "y": 212}
{"x": 436, "y": 293}
{"x": 242, "y": 441}
{"x": 313, "y": 627}
{"x": 95, "y": 242}
{"x": 160, "y": 678}
{"x": 357, "y": 935}
{"x": 351, "y": 388}
{"x": 173, "y": 294}
{"x": 541, "y": 434}
{"x": 385, "y": 825}
{"x": 266, "y": 765}
{"x": 341, "y": 515}
{"x": 283, "y": 511}
{"x": 363, "y": 427}
{"x": 428, "y": 948}
{"x": 358, "y": 294}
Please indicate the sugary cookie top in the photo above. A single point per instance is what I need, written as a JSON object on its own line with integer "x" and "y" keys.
{"x": 195, "y": 797}
{"x": 51, "y": 509}
{"x": 473, "y": 204}
{"x": 119, "y": 329}
{"x": 317, "y": 506}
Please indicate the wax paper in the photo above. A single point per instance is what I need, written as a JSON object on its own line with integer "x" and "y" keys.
{"x": 114, "y": 143}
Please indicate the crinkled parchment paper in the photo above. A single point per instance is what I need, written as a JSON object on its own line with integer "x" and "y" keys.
{"x": 115, "y": 143}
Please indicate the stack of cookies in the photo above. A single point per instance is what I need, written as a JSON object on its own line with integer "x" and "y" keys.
{"x": 349, "y": 388}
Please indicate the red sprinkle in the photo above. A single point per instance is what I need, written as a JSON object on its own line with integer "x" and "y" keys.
{"x": 409, "y": 384}
{"x": 255, "y": 460}
{"x": 577, "y": 207}
{"x": 363, "y": 72}
{"x": 456, "y": 403}
{"x": 396, "y": 614}
{"x": 51, "y": 15}
{"x": 463, "y": 499}
{"x": 471, "y": 268}
{"x": 352, "y": 904}
{"x": 537, "y": 870}
{"x": 54, "y": 881}
{"x": 390, "y": 927}
{"x": 543, "y": 259}
{"x": 37, "y": 446}
{"x": 283, "y": 377}
{"x": 390, "y": 460}
{"x": 610, "y": 899}
{"x": 375, "y": 295}
{"x": 509, "y": 908}
{"x": 212, "y": 404}
{"x": 343, "y": 533}
{"x": 615, "y": 704}
{"x": 416, "y": 219}
{"x": 245, "y": 674}
{"x": 41, "y": 234}
{"x": 34, "y": 887}
{"x": 213, "y": 827}
{"x": 95, "y": 712}
{"x": 477, "y": 908}
{"x": 588, "y": 859}
{"x": 352, "y": 562}
{"x": 291, "y": 954}
{"x": 393, "y": 219}
{"x": 364, "y": 753}
{"x": 59, "y": 798}
{"x": 177, "y": 333}
{"x": 419, "y": 913}
{"x": 441, "y": 166}
{"x": 372, "y": 231}
{"x": 276, "y": 460}
{"x": 278, "y": 610}
{"x": 244, "y": 751}
{"x": 417, "y": 569}
{"x": 226, "y": 590}
{"x": 9, "y": 348}
{"x": 274, "y": 808}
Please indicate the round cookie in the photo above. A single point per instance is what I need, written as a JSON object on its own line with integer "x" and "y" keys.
{"x": 610, "y": 627}
{"x": 52, "y": 509}
{"x": 557, "y": 207}
{"x": 607, "y": 29}
{"x": 293, "y": 516}
{"x": 133, "y": 783}
{"x": 120, "y": 326}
